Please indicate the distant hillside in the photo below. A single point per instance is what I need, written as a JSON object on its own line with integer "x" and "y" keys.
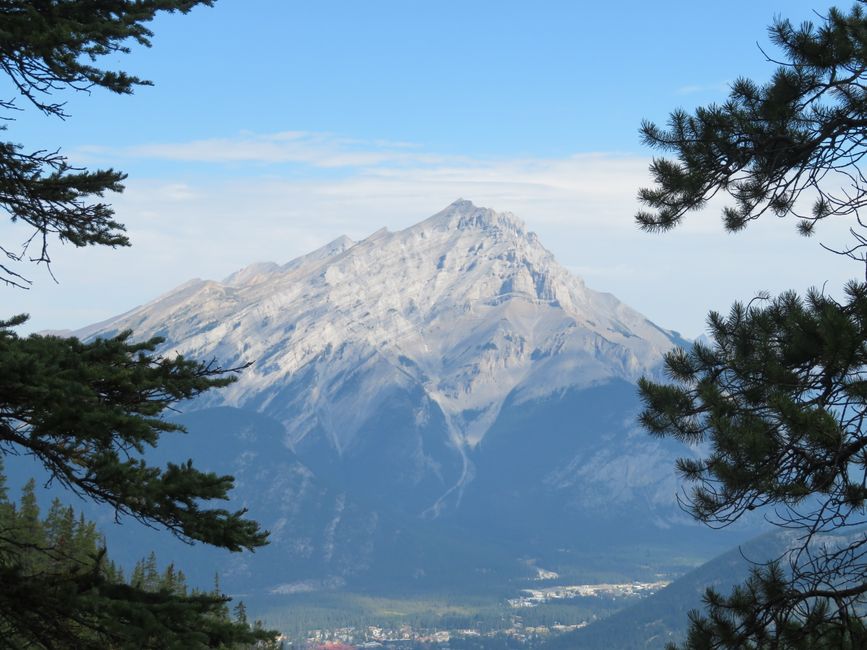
{"x": 653, "y": 622}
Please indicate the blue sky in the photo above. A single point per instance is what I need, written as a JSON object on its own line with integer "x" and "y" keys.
{"x": 495, "y": 78}
{"x": 276, "y": 126}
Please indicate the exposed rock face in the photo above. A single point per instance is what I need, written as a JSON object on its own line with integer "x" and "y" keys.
{"x": 429, "y": 372}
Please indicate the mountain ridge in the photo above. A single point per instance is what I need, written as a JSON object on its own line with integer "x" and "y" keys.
{"x": 399, "y": 296}
{"x": 445, "y": 386}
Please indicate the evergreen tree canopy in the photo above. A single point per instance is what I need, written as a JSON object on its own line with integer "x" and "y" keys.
{"x": 778, "y": 399}
{"x": 801, "y": 135}
{"x": 60, "y": 590}
{"x": 89, "y": 411}
{"x": 51, "y": 46}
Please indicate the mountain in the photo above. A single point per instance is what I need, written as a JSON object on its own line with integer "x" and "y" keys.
{"x": 443, "y": 396}
{"x": 663, "y": 617}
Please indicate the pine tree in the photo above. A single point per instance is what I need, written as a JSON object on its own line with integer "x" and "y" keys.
{"x": 173, "y": 581}
{"x": 107, "y": 612}
{"x": 60, "y": 537}
{"x": 779, "y": 397}
{"x": 241, "y": 613}
{"x": 58, "y": 531}
{"x": 151, "y": 581}
{"x": 136, "y": 580}
{"x": 181, "y": 582}
{"x": 28, "y": 530}
{"x": 7, "y": 517}
{"x": 89, "y": 411}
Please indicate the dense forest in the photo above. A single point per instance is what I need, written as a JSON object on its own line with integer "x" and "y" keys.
{"x": 64, "y": 557}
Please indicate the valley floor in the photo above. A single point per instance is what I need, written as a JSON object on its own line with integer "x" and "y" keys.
{"x": 345, "y": 621}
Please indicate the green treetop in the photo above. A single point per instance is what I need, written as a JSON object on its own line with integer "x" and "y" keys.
{"x": 89, "y": 411}
{"x": 68, "y": 594}
{"x": 46, "y": 47}
{"x": 778, "y": 399}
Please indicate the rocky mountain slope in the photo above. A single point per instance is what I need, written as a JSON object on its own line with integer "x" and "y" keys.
{"x": 451, "y": 373}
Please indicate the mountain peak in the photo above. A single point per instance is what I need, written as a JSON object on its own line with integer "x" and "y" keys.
{"x": 465, "y": 215}
{"x": 467, "y": 308}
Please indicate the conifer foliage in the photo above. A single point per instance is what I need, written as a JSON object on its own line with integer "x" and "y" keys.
{"x": 90, "y": 410}
{"x": 778, "y": 398}
{"x": 799, "y": 136}
{"x": 60, "y": 590}
{"x": 48, "y": 47}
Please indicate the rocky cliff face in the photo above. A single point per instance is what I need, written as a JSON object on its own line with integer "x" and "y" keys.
{"x": 453, "y": 370}
{"x": 443, "y": 320}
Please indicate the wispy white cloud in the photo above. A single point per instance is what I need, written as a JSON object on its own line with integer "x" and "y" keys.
{"x": 324, "y": 150}
{"x": 600, "y": 185}
{"x": 581, "y": 206}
